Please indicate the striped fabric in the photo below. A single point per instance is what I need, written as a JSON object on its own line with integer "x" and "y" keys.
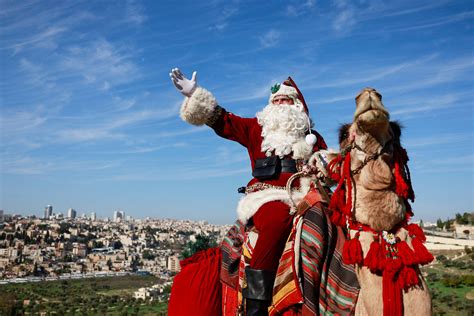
{"x": 231, "y": 247}
{"x": 312, "y": 261}
{"x": 330, "y": 287}
{"x": 287, "y": 292}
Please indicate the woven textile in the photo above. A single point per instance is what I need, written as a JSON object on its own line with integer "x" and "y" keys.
{"x": 231, "y": 248}
{"x": 330, "y": 287}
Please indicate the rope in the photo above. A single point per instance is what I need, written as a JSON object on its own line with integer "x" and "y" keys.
{"x": 293, "y": 207}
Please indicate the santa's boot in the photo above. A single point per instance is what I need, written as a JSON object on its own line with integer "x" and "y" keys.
{"x": 259, "y": 291}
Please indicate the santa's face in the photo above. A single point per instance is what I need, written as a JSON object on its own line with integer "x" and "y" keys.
{"x": 283, "y": 100}
{"x": 283, "y": 124}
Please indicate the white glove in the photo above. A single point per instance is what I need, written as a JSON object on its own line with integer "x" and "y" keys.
{"x": 183, "y": 84}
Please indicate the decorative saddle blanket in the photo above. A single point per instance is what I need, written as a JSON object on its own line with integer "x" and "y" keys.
{"x": 311, "y": 278}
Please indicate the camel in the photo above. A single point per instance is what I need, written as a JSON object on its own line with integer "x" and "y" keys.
{"x": 370, "y": 270}
{"x": 371, "y": 199}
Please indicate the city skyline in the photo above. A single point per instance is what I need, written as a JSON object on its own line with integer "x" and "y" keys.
{"x": 90, "y": 120}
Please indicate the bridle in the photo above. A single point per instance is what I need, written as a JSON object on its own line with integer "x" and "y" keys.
{"x": 369, "y": 156}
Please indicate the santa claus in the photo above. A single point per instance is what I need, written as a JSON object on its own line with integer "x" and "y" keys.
{"x": 279, "y": 141}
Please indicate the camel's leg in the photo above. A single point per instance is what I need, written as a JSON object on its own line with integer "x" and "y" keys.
{"x": 370, "y": 301}
{"x": 417, "y": 300}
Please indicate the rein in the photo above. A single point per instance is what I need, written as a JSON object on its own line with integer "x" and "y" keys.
{"x": 367, "y": 159}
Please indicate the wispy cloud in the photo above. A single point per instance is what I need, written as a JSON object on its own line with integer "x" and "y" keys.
{"x": 27, "y": 165}
{"x": 224, "y": 17}
{"x": 345, "y": 18}
{"x": 100, "y": 63}
{"x": 270, "y": 38}
{"x": 373, "y": 74}
{"x": 439, "y": 22}
{"x": 112, "y": 128}
{"x": 135, "y": 12}
{"x": 299, "y": 8}
{"x": 437, "y": 140}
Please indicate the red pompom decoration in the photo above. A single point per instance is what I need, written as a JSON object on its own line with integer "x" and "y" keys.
{"x": 352, "y": 251}
{"x": 406, "y": 254}
{"x": 416, "y": 231}
{"x": 338, "y": 219}
{"x": 392, "y": 266}
{"x": 408, "y": 278}
{"x": 422, "y": 255}
{"x": 375, "y": 259}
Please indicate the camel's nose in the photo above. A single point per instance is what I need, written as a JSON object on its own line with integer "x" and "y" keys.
{"x": 369, "y": 92}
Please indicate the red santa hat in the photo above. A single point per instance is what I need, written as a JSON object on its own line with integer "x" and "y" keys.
{"x": 289, "y": 89}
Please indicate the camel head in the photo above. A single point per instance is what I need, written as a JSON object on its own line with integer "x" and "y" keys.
{"x": 371, "y": 115}
{"x": 372, "y": 141}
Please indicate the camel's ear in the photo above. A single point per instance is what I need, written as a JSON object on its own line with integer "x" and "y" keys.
{"x": 396, "y": 130}
{"x": 344, "y": 133}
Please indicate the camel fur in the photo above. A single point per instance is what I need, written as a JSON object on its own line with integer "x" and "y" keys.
{"x": 372, "y": 141}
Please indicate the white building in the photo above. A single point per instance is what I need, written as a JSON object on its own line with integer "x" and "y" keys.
{"x": 93, "y": 216}
{"x": 48, "y": 211}
{"x": 150, "y": 293}
{"x": 71, "y": 213}
{"x": 173, "y": 264}
{"x": 119, "y": 216}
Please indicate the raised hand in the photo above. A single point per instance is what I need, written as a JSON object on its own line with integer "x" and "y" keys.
{"x": 183, "y": 84}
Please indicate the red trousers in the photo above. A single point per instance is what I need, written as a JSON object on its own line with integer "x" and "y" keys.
{"x": 274, "y": 224}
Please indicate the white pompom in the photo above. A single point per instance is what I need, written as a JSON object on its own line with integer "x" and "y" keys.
{"x": 311, "y": 139}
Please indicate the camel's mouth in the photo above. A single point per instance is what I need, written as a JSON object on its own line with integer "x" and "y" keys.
{"x": 369, "y": 108}
{"x": 373, "y": 116}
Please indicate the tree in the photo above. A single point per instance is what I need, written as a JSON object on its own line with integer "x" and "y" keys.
{"x": 439, "y": 223}
{"x": 202, "y": 243}
{"x": 118, "y": 244}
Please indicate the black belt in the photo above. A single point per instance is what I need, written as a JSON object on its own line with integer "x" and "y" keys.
{"x": 288, "y": 165}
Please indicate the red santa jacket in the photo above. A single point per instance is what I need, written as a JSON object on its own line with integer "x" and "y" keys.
{"x": 248, "y": 133}
{"x": 202, "y": 108}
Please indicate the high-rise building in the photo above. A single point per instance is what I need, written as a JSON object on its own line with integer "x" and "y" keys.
{"x": 93, "y": 216}
{"x": 173, "y": 264}
{"x": 1, "y": 216}
{"x": 119, "y": 216}
{"x": 71, "y": 213}
{"x": 48, "y": 211}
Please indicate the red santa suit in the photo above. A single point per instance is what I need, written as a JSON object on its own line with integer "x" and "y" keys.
{"x": 266, "y": 201}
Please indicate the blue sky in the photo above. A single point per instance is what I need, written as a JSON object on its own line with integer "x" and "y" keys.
{"x": 89, "y": 118}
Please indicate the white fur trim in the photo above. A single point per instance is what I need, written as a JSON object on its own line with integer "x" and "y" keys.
{"x": 250, "y": 203}
{"x": 198, "y": 108}
{"x": 285, "y": 90}
{"x": 301, "y": 150}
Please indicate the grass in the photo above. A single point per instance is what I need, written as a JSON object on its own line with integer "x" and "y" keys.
{"x": 449, "y": 297}
{"x": 100, "y": 296}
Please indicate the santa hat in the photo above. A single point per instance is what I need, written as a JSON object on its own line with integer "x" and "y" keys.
{"x": 289, "y": 89}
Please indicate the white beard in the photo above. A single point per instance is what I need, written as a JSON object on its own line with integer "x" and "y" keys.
{"x": 282, "y": 127}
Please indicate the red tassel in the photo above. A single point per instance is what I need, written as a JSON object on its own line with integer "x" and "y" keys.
{"x": 347, "y": 174}
{"x": 338, "y": 199}
{"x": 352, "y": 251}
{"x": 408, "y": 278}
{"x": 406, "y": 254}
{"x": 402, "y": 181}
{"x": 338, "y": 219}
{"x": 401, "y": 188}
{"x": 391, "y": 292}
{"x": 416, "y": 231}
{"x": 392, "y": 266}
{"x": 375, "y": 259}
{"x": 422, "y": 255}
